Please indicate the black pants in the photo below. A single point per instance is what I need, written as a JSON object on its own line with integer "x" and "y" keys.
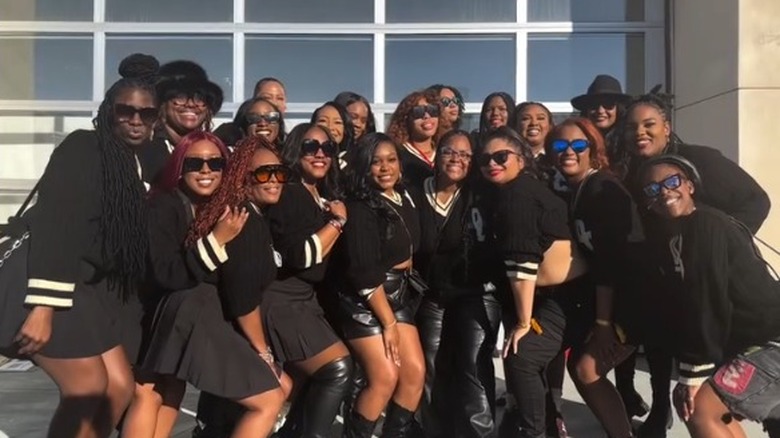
{"x": 465, "y": 387}
{"x": 429, "y": 319}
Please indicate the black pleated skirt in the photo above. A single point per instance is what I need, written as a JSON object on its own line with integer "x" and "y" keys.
{"x": 294, "y": 322}
{"x": 192, "y": 340}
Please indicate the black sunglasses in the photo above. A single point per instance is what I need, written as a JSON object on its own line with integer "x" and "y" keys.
{"x": 560, "y": 145}
{"x": 195, "y": 164}
{"x": 125, "y": 113}
{"x": 499, "y": 157}
{"x": 272, "y": 117}
{"x": 654, "y": 189}
{"x": 419, "y": 111}
{"x": 263, "y": 174}
{"x": 310, "y": 146}
{"x": 447, "y": 101}
{"x": 607, "y": 104}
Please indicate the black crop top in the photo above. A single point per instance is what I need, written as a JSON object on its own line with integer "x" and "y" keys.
{"x": 373, "y": 244}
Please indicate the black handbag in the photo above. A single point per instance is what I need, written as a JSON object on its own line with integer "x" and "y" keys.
{"x": 14, "y": 247}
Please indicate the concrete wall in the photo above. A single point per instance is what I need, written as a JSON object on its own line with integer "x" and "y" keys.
{"x": 726, "y": 79}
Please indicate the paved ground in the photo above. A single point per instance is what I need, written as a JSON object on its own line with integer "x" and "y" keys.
{"x": 28, "y": 398}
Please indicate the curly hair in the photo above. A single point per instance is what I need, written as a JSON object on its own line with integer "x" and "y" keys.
{"x": 360, "y": 185}
{"x": 233, "y": 190}
{"x": 597, "y": 148}
{"x": 400, "y": 122}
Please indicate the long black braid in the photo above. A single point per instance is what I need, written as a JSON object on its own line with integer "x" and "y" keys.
{"x": 123, "y": 222}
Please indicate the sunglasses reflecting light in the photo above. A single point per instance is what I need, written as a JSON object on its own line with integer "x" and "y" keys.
{"x": 654, "y": 189}
{"x": 560, "y": 145}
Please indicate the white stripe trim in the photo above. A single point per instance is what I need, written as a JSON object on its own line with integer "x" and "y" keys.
{"x": 307, "y": 254}
{"x": 38, "y": 283}
{"x": 204, "y": 256}
{"x": 521, "y": 275}
{"x": 696, "y": 368}
{"x": 219, "y": 250}
{"x": 692, "y": 381}
{"x": 42, "y": 300}
{"x": 529, "y": 265}
{"x": 317, "y": 249}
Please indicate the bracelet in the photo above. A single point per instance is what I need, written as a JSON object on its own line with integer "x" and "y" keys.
{"x": 523, "y": 325}
{"x": 395, "y": 321}
{"x": 603, "y": 322}
{"x": 267, "y": 355}
{"x": 337, "y": 225}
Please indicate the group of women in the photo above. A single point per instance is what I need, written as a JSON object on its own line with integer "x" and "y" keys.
{"x": 365, "y": 273}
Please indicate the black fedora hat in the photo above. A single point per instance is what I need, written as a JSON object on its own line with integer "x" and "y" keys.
{"x": 602, "y": 86}
{"x": 188, "y": 78}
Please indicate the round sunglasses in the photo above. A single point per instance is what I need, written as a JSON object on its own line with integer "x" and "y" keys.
{"x": 560, "y": 145}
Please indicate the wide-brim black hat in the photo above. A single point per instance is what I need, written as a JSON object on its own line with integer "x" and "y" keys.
{"x": 188, "y": 78}
{"x": 601, "y": 87}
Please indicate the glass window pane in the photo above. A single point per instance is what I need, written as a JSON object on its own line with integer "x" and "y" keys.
{"x": 562, "y": 66}
{"x": 46, "y": 67}
{"x": 586, "y": 10}
{"x": 169, "y": 10}
{"x": 450, "y": 11}
{"x": 213, "y": 52}
{"x": 46, "y": 10}
{"x": 475, "y": 65}
{"x": 307, "y": 11}
{"x": 314, "y": 68}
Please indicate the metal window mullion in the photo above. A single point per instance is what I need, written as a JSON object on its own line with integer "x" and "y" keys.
{"x": 239, "y": 51}
{"x": 98, "y": 54}
{"x": 521, "y": 66}
{"x": 379, "y": 63}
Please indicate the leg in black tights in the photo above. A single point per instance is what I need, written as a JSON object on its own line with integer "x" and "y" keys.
{"x": 624, "y": 381}
{"x": 429, "y": 319}
{"x": 660, "y": 419}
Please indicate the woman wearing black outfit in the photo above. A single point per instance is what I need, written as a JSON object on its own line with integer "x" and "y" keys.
{"x": 305, "y": 225}
{"x": 87, "y": 256}
{"x": 257, "y": 116}
{"x": 188, "y": 101}
{"x": 721, "y": 302}
{"x": 204, "y": 259}
{"x": 529, "y": 223}
{"x": 606, "y": 224}
{"x": 462, "y": 339}
{"x": 647, "y": 133}
{"x": 376, "y": 296}
{"x": 415, "y": 125}
{"x": 359, "y": 110}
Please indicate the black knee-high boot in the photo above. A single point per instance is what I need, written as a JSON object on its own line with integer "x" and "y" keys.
{"x": 327, "y": 388}
{"x": 358, "y": 426}
{"x": 356, "y": 385}
{"x": 398, "y": 421}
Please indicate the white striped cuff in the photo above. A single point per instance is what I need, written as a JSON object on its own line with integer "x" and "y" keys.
{"x": 210, "y": 252}
{"x": 51, "y": 293}
{"x": 695, "y": 375}
{"x": 45, "y": 300}
{"x": 692, "y": 381}
{"x": 312, "y": 251}
{"x": 521, "y": 271}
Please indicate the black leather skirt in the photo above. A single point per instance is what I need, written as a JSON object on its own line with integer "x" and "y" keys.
{"x": 357, "y": 320}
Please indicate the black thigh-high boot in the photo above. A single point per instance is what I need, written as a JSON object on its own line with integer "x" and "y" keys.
{"x": 358, "y": 426}
{"x": 356, "y": 385}
{"x": 398, "y": 421}
{"x": 326, "y": 390}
